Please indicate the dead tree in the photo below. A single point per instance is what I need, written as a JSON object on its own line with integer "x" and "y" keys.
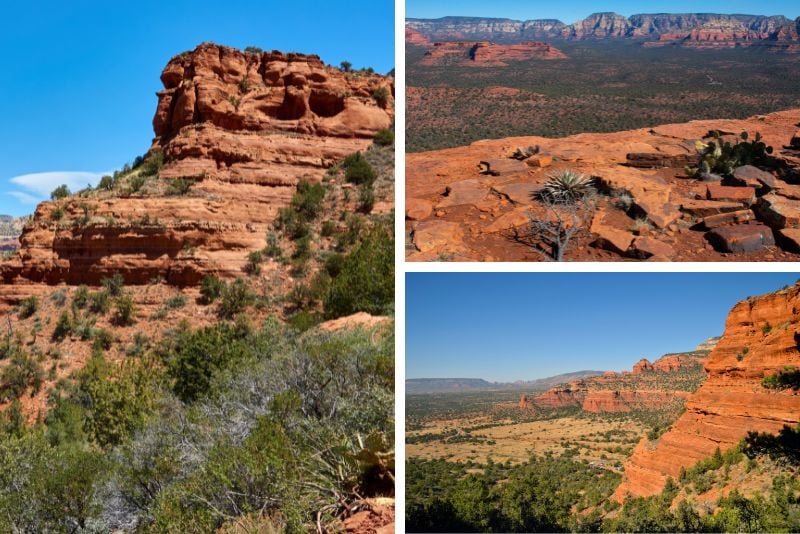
{"x": 562, "y": 219}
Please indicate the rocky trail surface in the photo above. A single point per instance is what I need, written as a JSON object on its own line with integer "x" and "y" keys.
{"x": 475, "y": 203}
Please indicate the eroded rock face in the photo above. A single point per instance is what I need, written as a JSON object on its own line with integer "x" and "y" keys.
{"x": 244, "y": 128}
{"x": 760, "y": 339}
{"x": 484, "y": 53}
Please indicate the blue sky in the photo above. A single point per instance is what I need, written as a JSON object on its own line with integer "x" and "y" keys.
{"x": 522, "y": 326}
{"x": 569, "y": 11}
{"x": 79, "y": 77}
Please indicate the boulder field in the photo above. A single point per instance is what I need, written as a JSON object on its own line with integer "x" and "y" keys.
{"x": 760, "y": 339}
{"x": 475, "y": 203}
{"x": 243, "y": 128}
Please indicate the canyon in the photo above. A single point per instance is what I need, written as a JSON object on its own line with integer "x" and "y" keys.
{"x": 694, "y": 30}
{"x": 476, "y": 203}
{"x": 760, "y": 340}
{"x": 242, "y": 128}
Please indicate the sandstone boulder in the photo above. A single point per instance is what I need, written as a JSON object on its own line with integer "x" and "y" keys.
{"x": 745, "y": 195}
{"x": 648, "y": 247}
{"x": 778, "y": 211}
{"x": 732, "y": 217}
{"x": 464, "y": 192}
{"x": 741, "y": 238}
{"x": 418, "y": 209}
{"x": 751, "y": 176}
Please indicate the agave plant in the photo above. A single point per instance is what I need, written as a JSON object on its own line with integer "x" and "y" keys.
{"x": 568, "y": 185}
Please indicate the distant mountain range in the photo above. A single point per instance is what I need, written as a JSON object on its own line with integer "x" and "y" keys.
{"x": 457, "y": 385}
{"x": 715, "y": 30}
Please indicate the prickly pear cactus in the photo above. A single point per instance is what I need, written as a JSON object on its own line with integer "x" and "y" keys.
{"x": 719, "y": 157}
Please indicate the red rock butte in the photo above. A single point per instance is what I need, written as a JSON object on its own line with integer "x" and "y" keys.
{"x": 244, "y": 127}
{"x": 760, "y": 339}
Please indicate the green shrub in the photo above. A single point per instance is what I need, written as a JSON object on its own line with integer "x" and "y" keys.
{"x": 328, "y": 228}
{"x": 81, "y": 297}
{"x": 366, "y": 280}
{"x": 307, "y": 201}
{"x": 179, "y": 186}
{"x": 151, "y": 164}
{"x": 114, "y": 284}
{"x": 253, "y": 50}
{"x": 273, "y": 248}
{"x": 211, "y": 288}
{"x": 125, "y": 311}
{"x": 381, "y": 96}
{"x": 102, "y": 340}
{"x": 333, "y": 264}
{"x": 236, "y": 297}
{"x": 358, "y": 170}
{"x": 28, "y": 307}
{"x": 384, "y": 137}
{"x": 57, "y": 214}
{"x": 23, "y": 371}
{"x": 59, "y": 298}
{"x": 366, "y": 198}
{"x": 60, "y": 192}
{"x": 346, "y": 66}
{"x": 175, "y": 302}
{"x": 788, "y": 378}
{"x": 136, "y": 183}
{"x": 99, "y": 302}
{"x": 254, "y": 261}
{"x": 63, "y": 327}
{"x": 766, "y": 328}
{"x": 106, "y": 183}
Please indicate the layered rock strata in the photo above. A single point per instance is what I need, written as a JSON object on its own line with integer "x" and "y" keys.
{"x": 760, "y": 339}
{"x": 243, "y": 129}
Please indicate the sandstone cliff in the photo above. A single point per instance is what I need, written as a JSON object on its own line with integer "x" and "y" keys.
{"x": 241, "y": 129}
{"x": 483, "y": 53}
{"x": 760, "y": 339}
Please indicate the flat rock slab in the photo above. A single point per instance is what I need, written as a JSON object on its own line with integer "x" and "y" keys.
{"x": 513, "y": 219}
{"x": 754, "y": 177}
{"x": 609, "y": 237}
{"x": 778, "y": 211}
{"x": 520, "y": 193}
{"x": 704, "y": 208}
{"x": 788, "y": 191}
{"x": 724, "y": 219}
{"x": 464, "y": 192}
{"x": 435, "y": 234}
{"x": 789, "y": 239}
{"x": 648, "y": 247}
{"x": 499, "y": 167}
{"x": 418, "y": 209}
{"x": 654, "y": 160}
{"x": 745, "y": 195}
{"x": 650, "y": 192}
{"x": 539, "y": 161}
{"x": 741, "y": 238}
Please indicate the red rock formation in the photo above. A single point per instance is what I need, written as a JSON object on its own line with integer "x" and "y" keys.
{"x": 415, "y": 38}
{"x": 244, "y": 127}
{"x": 612, "y": 401}
{"x": 572, "y": 394}
{"x": 487, "y": 54}
{"x": 760, "y": 339}
{"x": 642, "y": 366}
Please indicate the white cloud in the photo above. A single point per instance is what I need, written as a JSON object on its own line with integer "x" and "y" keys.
{"x": 25, "y": 198}
{"x": 40, "y": 184}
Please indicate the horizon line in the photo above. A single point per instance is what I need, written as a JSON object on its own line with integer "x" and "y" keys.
{"x": 788, "y": 17}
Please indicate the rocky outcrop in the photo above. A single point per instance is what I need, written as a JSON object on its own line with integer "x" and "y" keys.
{"x": 598, "y": 26}
{"x": 681, "y": 217}
{"x": 487, "y": 54}
{"x": 243, "y": 128}
{"x": 413, "y": 37}
{"x": 642, "y": 366}
{"x": 616, "y": 401}
{"x": 761, "y": 338}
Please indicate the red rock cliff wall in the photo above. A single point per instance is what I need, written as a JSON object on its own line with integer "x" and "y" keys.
{"x": 732, "y": 401}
